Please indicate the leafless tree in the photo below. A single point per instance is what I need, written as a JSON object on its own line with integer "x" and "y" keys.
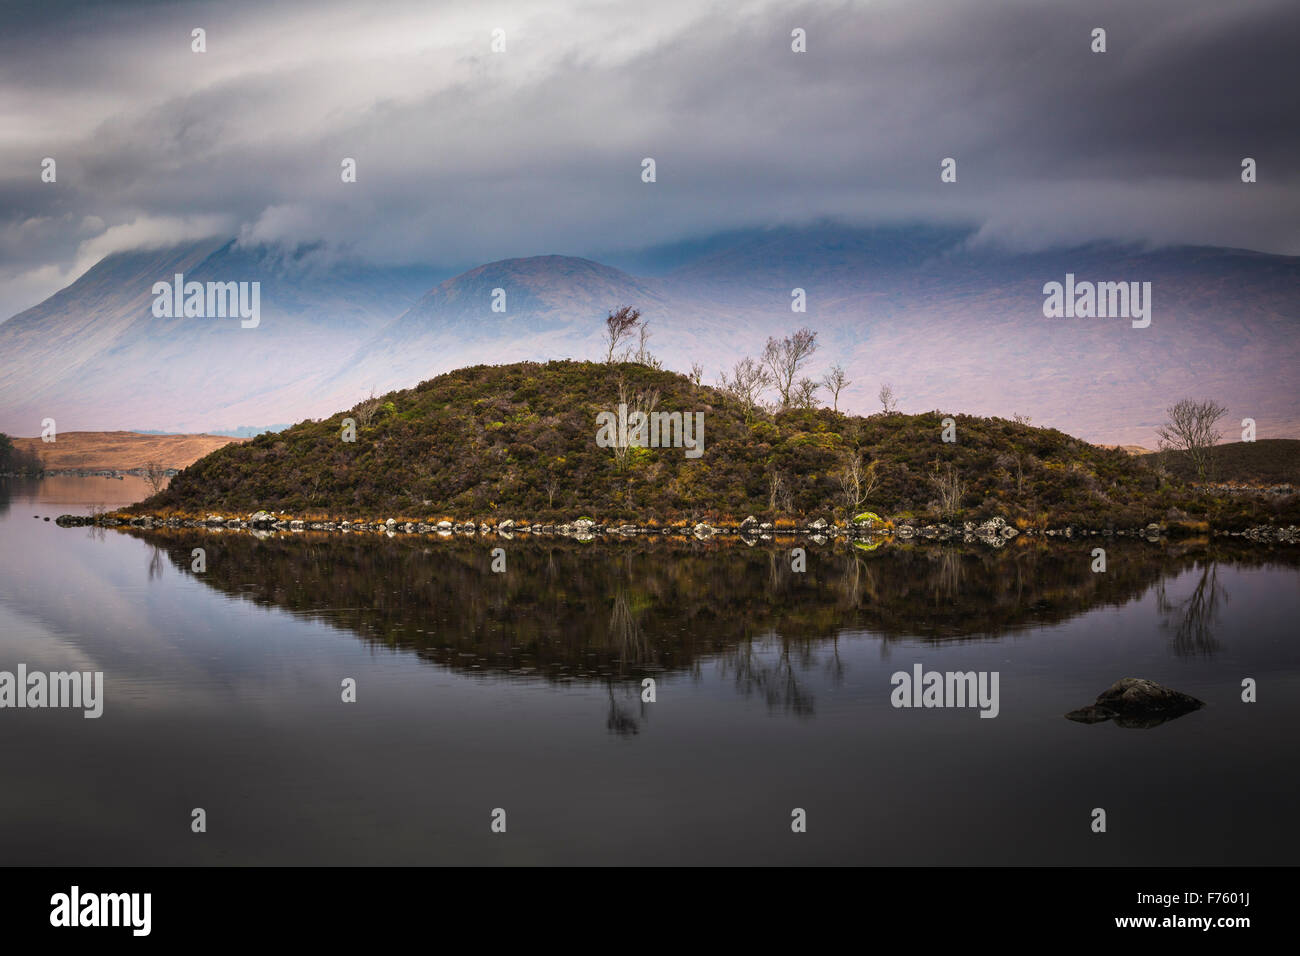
{"x": 835, "y": 381}
{"x": 888, "y": 400}
{"x": 366, "y": 409}
{"x": 857, "y": 480}
{"x": 804, "y": 394}
{"x": 748, "y": 380}
{"x": 1192, "y": 430}
{"x": 643, "y": 354}
{"x": 778, "y": 492}
{"x": 1020, "y": 419}
{"x": 156, "y": 475}
{"x": 618, "y": 326}
{"x": 948, "y": 485}
{"x": 783, "y": 359}
{"x": 644, "y": 402}
{"x": 697, "y": 373}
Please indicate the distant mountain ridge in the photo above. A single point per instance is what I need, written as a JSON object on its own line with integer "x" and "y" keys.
{"x": 950, "y": 322}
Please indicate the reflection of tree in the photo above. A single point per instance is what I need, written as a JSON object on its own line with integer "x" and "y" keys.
{"x": 620, "y": 719}
{"x": 1194, "y": 618}
{"x": 777, "y": 680}
{"x": 156, "y": 563}
{"x": 625, "y": 632}
{"x": 948, "y": 576}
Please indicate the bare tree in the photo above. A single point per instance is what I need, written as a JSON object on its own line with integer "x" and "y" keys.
{"x": 835, "y": 381}
{"x": 888, "y": 401}
{"x": 804, "y": 394}
{"x": 857, "y": 480}
{"x": 697, "y": 373}
{"x": 778, "y": 492}
{"x": 156, "y": 475}
{"x": 748, "y": 379}
{"x": 618, "y": 326}
{"x": 784, "y": 357}
{"x": 1020, "y": 419}
{"x": 643, "y": 354}
{"x": 1192, "y": 430}
{"x": 643, "y": 402}
{"x": 949, "y": 487}
{"x": 366, "y": 409}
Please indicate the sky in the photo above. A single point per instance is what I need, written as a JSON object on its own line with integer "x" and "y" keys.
{"x": 465, "y": 155}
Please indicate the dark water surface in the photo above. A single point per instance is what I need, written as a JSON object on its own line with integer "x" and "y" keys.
{"x": 522, "y": 691}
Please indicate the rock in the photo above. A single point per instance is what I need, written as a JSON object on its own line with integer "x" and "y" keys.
{"x": 703, "y": 530}
{"x": 583, "y": 526}
{"x": 1135, "y": 702}
{"x": 818, "y": 525}
{"x": 749, "y": 525}
{"x": 390, "y": 522}
{"x": 506, "y": 525}
{"x": 444, "y": 525}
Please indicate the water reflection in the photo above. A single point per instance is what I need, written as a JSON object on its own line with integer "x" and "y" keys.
{"x": 1193, "y": 619}
{"x": 621, "y": 611}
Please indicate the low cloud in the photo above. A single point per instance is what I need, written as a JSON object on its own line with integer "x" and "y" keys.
{"x": 465, "y": 155}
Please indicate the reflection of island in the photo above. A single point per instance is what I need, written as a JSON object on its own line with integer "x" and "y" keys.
{"x": 616, "y": 613}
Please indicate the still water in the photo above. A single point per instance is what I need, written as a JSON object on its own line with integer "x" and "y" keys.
{"x": 523, "y": 691}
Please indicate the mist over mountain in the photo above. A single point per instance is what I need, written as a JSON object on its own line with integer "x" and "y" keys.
{"x": 94, "y": 356}
{"x": 952, "y": 323}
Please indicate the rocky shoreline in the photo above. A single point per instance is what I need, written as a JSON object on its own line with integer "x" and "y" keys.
{"x": 994, "y": 532}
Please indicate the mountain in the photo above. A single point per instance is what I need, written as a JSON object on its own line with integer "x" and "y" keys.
{"x": 950, "y": 321}
{"x": 520, "y": 441}
{"x": 94, "y": 356}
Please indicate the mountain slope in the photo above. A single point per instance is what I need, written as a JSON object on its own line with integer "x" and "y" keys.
{"x": 951, "y": 323}
{"x": 94, "y": 355}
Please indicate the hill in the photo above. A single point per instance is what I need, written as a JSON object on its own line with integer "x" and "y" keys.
{"x": 1268, "y": 461}
{"x": 120, "y": 451}
{"x": 519, "y": 441}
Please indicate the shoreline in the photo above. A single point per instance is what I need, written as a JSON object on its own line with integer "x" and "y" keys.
{"x": 994, "y": 532}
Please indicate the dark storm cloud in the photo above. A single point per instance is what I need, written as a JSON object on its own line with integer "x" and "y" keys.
{"x": 465, "y": 155}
